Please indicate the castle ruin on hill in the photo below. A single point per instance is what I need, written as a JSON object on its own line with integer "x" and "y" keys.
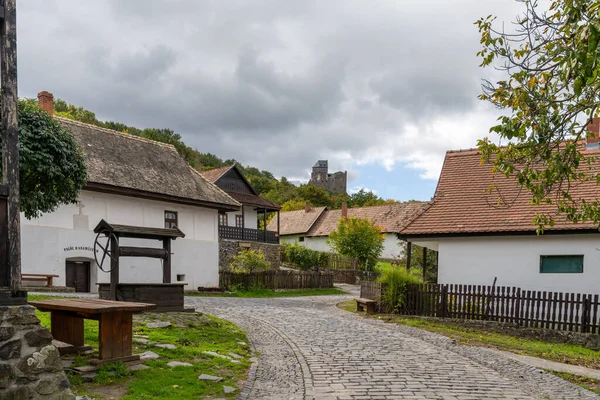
{"x": 320, "y": 177}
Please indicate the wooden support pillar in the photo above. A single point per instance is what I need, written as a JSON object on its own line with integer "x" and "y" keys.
{"x": 278, "y": 225}
{"x": 167, "y": 261}
{"x": 265, "y": 225}
{"x": 408, "y": 255}
{"x": 243, "y": 222}
{"x": 114, "y": 265}
{"x": 425, "y": 264}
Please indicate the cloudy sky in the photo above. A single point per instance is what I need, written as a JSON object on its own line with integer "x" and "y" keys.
{"x": 379, "y": 88}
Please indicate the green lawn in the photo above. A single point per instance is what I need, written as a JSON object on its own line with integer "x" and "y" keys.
{"x": 261, "y": 293}
{"x": 192, "y": 334}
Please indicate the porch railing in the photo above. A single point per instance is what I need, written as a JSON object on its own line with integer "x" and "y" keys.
{"x": 252, "y": 235}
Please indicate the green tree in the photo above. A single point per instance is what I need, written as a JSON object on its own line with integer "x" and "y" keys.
{"x": 52, "y": 167}
{"x": 358, "y": 238}
{"x": 549, "y": 95}
{"x": 416, "y": 262}
{"x": 248, "y": 261}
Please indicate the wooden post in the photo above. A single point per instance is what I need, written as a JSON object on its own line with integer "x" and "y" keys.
{"x": 167, "y": 261}
{"x": 425, "y": 264}
{"x": 243, "y": 222}
{"x": 264, "y": 225}
{"x": 114, "y": 265}
{"x": 278, "y": 226}
{"x": 408, "y": 254}
{"x": 10, "y": 144}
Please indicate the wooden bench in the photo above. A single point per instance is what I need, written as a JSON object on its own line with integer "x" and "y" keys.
{"x": 39, "y": 278}
{"x": 369, "y": 304}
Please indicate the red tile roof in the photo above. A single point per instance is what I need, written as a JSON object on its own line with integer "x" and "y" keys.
{"x": 464, "y": 204}
{"x": 391, "y": 217}
{"x": 296, "y": 222}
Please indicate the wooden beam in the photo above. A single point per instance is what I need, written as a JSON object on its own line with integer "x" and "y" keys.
{"x": 408, "y": 255}
{"x": 10, "y": 139}
{"x": 278, "y": 227}
{"x": 167, "y": 261}
{"x": 424, "y": 264}
{"x": 114, "y": 265}
{"x": 243, "y": 222}
{"x": 127, "y": 251}
{"x": 265, "y": 225}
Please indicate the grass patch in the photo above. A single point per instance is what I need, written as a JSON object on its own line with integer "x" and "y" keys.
{"x": 348, "y": 305}
{"x": 593, "y": 385}
{"x": 192, "y": 334}
{"x": 264, "y": 293}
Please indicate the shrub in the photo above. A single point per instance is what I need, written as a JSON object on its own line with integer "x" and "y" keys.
{"x": 395, "y": 283}
{"x": 302, "y": 257}
{"x": 360, "y": 239}
{"x": 249, "y": 261}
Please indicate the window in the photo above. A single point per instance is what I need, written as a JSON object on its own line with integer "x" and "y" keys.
{"x": 239, "y": 221}
{"x": 170, "y": 219}
{"x": 567, "y": 264}
{"x": 222, "y": 219}
{"x": 301, "y": 239}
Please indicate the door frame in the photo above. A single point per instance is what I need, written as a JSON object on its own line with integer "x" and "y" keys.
{"x": 88, "y": 284}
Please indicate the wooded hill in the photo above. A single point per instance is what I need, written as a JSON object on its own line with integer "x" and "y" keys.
{"x": 280, "y": 191}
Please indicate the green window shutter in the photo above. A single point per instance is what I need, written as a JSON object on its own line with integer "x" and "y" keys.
{"x": 563, "y": 264}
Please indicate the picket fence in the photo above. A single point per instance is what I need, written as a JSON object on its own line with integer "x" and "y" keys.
{"x": 276, "y": 279}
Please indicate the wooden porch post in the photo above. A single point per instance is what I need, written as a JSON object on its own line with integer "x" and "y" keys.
{"x": 265, "y": 225}
{"x": 424, "y": 264}
{"x": 408, "y": 254}
{"x": 243, "y": 222}
{"x": 278, "y": 226}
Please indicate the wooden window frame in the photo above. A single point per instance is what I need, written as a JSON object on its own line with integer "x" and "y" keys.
{"x": 223, "y": 220}
{"x": 301, "y": 239}
{"x": 171, "y": 222}
{"x": 558, "y": 256}
{"x": 239, "y": 221}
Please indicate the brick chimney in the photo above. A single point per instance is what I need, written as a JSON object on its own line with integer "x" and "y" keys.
{"x": 306, "y": 207}
{"x": 344, "y": 210}
{"x": 46, "y": 102}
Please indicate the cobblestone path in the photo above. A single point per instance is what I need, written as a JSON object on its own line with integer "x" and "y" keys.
{"x": 309, "y": 349}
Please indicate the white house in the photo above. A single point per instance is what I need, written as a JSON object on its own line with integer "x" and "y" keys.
{"x": 131, "y": 181}
{"x": 311, "y": 227}
{"x": 480, "y": 238}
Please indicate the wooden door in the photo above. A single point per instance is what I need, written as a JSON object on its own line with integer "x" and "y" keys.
{"x": 78, "y": 275}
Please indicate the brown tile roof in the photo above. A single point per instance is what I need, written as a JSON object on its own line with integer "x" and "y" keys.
{"x": 463, "y": 203}
{"x": 296, "y": 222}
{"x": 391, "y": 217}
{"x": 214, "y": 174}
{"x": 120, "y": 162}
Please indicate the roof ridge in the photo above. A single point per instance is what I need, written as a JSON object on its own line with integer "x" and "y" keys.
{"x": 194, "y": 170}
{"x": 114, "y": 132}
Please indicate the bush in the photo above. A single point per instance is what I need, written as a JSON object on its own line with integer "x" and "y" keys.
{"x": 249, "y": 261}
{"x": 395, "y": 283}
{"x": 302, "y": 257}
{"x": 360, "y": 239}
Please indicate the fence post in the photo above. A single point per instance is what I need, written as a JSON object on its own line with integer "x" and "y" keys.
{"x": 585, "y": 314}
{"x": 517, "y": 309}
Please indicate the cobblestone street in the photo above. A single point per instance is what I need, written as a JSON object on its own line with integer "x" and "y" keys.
{"x": 309, "y": 349}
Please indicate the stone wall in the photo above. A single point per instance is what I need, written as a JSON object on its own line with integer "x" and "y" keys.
{"x": 30, "y": 366}
{"x": 229, "y": 248}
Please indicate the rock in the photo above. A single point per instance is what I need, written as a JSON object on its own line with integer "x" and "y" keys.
{"x": 47, "y": 387}
{"x": 10, "y": 350}
{"x": 174, "y": 364}
{"x": 149, "y": 355}
{"x": 137, "y": 367}
{"x": 67, "y": 363}
{"x": 89, "y": 377}
{"x": 5, "y": 375}
{"x": 141, "y": 340}
{"x": 45, "y": 360}
{"x": 166, "y": 346}
{"x": 38, "y": 338}
{"x": 212, "y": 378}
{"x": 83, "y": 398}
{"x": 6, "y": 332}
{"x": 17, "y": 393}
{"x": 242, "y": 344}
{"x": 23, "y": 315}
{"x": 85, "y": 368}
{"x": 236, "y": 356}
{"x": 212, "y": 353}
{"x": 159, "y": 324}
{"x": 229, "y": 389}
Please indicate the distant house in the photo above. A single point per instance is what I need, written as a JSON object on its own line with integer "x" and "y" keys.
{"x": 312, "y": 227}
{"x": 479, "y": 239}
{"x": 243, "y": 224}
{"x": 131, "y": 181}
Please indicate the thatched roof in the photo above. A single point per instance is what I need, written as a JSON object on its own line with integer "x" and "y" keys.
{"x": 296, "y": 222}
{"x": 134, "y": 166}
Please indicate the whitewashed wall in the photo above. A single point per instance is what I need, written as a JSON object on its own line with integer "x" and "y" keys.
{"x": 250, "y": 217}
{"x": 48, "y": 242}
{"x": 292, "y": 239}
{"x": 392, "y": 246}
{"x": 516, "y": 262}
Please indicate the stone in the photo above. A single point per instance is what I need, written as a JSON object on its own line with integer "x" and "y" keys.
{"x": 17, "y": 393}
{"x": 166, "y": 346}
{"x": 38, "y": 337}
{"x": 236, "y": 356}
{"x": 137, "y": 367}
{"x": 45, "y": 360}
{"x": 212, "y": 378}
{"x": 229, "y": 389}
{"x": 85, "y": 368}
{"x": 22, "y": 315}
{"x": 174, "y": 364}
{"x": 89, "y": 377}
{"x": 229, "y": 248}
{"x": 213, "y": 354}
{"x": 6, "y": 332}
{"x": 141, "y": 340}
{"x": 158, "y": 324}
{"x": 243, "y": 344}
{"x": 46, "y": 387}
{"x": 5, "y": 375}
{"x": 11, "y": 349}
{"x": 149, "y": 355}
{"x": 67, "y": 363}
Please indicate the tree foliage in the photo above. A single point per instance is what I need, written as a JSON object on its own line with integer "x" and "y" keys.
{"x": 248, "y": 261}
{"x": 358, "y": 238}
{"x": 550, "y": 93}
{"x": 52, "y": 167}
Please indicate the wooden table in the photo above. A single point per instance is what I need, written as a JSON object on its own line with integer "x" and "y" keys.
{"x": 116, "y": 324}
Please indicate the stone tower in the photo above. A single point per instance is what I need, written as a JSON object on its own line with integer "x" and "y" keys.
{"x": 320, "y": 177}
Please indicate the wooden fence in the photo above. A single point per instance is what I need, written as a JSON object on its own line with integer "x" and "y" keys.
{"x": 526, "y": 308}
{"x": 371, "y": 290}
{"x": 276, "y": 279}
{"x": 336, "y": 261}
